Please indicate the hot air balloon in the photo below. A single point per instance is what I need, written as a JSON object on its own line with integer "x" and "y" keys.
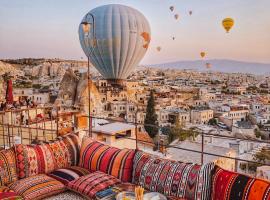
{"x": 227, "y": 23}
{"x": 173, "y": 38}
{"x": 190, "y": 12}
{"x": 202, "y": 54}
{"x": 117, "y": 39}
{"x": 176, "y": 16}
{"x": 208, "y": 65}
{"x": 158, "y": 48}
{"x": 172, "y": 8}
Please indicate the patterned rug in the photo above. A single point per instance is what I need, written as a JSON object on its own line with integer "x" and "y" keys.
{"x": 67, "y": 196}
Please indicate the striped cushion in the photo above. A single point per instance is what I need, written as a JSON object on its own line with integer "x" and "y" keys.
{"x": 229, "y": 185}
{"x": 172, "y": 178}
{"x": 66, "y": 175}
{"x": 33, "y": 160}
{"x": 93, "y": 183}
{"x": 8, "y": 172}
{"x": 8, "y": 194}
{"x": 96, "y": 156}
{"x": 37, "y": 187}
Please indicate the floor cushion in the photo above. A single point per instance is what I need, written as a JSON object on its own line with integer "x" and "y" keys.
{"x": 96, "y": 156}
{"x": 93, "y": 183}
{"x": 37, "y": 187}
{"x": 65, "y": 175}
{"x": 172, "y": 178}
{"x": 8, "y": 173}
{"x": 34, "y": 159}
{"x": 229, "y": 185}
{"x": 8, "y": 194}
{"x": 66, "y": 150}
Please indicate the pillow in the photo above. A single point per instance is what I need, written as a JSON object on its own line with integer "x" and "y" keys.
{"x": 45, "y": 158}
{"x": 96, "y": 156}
{"x": 8, "y": 173}
{"x": 172, "y": 178}
{"x": 65, "y": 175}
{"x": 93, "y": 183}
{"x": 233, "y": 186}
{"x": 37, "y": 187}
{"x": 69, "y": 147}
{"x": 34, "y": 159}
{"x": 8, "y": 194}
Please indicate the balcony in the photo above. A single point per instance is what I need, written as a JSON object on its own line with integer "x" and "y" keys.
{"x": 42, "y": 125}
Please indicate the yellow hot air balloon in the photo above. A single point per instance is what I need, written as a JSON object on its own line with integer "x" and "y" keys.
{"x": 176, "y": 16}
{"x": 227, "y": 23}
{"x": 172, "y": 8}
{"x": 202, "y": 54}
{"x": 208, "y": 65}
{"x": 158, "y": 48}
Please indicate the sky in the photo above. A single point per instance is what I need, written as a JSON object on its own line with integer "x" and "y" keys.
{"x": 49, "y": 28}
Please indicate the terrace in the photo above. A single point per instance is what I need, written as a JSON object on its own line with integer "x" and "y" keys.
{"x": 46, "y": 124}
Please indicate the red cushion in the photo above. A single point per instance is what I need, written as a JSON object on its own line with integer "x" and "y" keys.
{"x": 172, "y": 178}
{"x": 93, "y": 183}
{"x": 8, "y": 194}
{"x": 229, "y": 185}
{"x": 96, "y": 156}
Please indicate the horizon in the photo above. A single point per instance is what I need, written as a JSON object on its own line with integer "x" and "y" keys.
{"x": 41, "y": 25}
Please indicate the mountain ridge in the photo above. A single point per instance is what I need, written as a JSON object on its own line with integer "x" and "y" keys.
{"x": 221, "y": 65}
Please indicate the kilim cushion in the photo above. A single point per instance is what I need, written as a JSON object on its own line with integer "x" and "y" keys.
{"x": 33, "y": 160}
{"x": 8, "y": 194}
{"x": 96, "y": 156}
{"x": 45, "y": 158}
{"x": 66, "y": 150}
{"x": 93, "y": 183}
{"x": 37, "y": 187}
{"x": 227, "y": 185}
{"x": 8, "y": 172}
{"x": 65, "y": 175}
{"x": 172, "y": 178}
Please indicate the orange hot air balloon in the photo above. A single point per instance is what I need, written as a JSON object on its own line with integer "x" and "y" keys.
{"x": 158, "y": 48}
{"x": 208, "y": 65}
{"x": 202, "y": 54}
{"x": 146, "y": 38}
{"x": 227, "y": 24}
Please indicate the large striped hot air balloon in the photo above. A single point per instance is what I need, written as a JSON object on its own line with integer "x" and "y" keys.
{"x": 117, "y": 38}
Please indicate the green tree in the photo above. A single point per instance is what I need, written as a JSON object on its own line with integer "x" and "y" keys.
{"x": 151, "y": 117}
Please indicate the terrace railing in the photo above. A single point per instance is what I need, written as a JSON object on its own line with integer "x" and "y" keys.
{"x": 32, "y": 125}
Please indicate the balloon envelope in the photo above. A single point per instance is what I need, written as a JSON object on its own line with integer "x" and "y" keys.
{"x": 117, "y": 40}
{"x": 227, "y": 24}
{"x": 171, "y": 8}
{"x": 202, "y": 54}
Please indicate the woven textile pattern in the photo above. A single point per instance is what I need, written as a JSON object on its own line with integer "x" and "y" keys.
{"x": 37, "y": 187}
{"x": 96, "y": 156}
{"x": 8, "y": 172}
{"x": 45, "y": 158}
{"x": 8, "y": 194}
{"x": 228, "y": 185}
{"x": 172, "y": 178}
{"x": 90, "y": 184}
{"x": 66, "y": 175}
{"x": 33, "y": 160}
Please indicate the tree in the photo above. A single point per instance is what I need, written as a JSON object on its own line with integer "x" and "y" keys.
{"x": 151, "y": 117}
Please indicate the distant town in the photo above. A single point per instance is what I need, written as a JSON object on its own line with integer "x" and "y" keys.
{"x": 232, "y": 110}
